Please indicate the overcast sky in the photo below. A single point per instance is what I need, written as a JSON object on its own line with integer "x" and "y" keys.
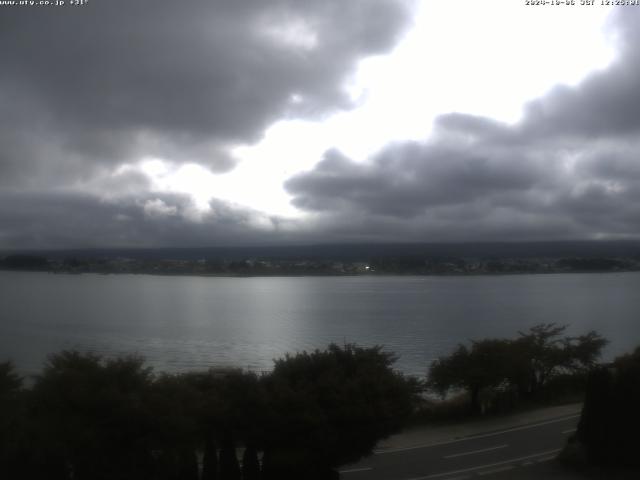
{"x": 227, "y": 122}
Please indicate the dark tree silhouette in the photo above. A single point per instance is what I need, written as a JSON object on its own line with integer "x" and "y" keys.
{"x": 484, "y": 365}
{"x": 525, "y": 364}
{"x": 595, "y": 422}
{"x": 229, "y": 466}
{"x": 331, "y": 407}
{"x": 543, "y": 352}
{"x": 188, "y": 464}
{"x": 91, "y": 417}
{"x": 610, "y": 419}
{"x": 250, "y": 464}
{"x": 10, "y": 381}
{"x": 12, "y": 422}
{"x": 210, "y": 459}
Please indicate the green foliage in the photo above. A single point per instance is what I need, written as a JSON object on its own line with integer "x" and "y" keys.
{"x": 524, "y": 365}
{"x": 93, "y": 414}
{"x": 10, "y": 381}
{"x": 250, "y": 464}
{"x": 210, "y": 460}
{"x": 484, "y": 365}
{"x": 229, "y": 466}
{"x": 174, "y": 404}
{"x": 542, "y": 353}
{"x": 90, "y": 418}
{"x": 610, "y": 418}
{"x": 11, "y": 414}
{"x": 330, "y": 407}
{"x": 188, "y": 465}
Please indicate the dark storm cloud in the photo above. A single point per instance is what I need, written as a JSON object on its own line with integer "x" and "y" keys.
{"x": 84, "y": 90}
{"x": 569, "y": 169}
{"x": 606, "y": 104}
{"x": 402, "y": 180}
{"x": 81, "y": 88}
{"x": 63, "y": 220}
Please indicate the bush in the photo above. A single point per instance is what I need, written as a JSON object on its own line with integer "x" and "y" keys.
{"x": 90, "y": 418}
{"x": 331, "y": 407}
{"x": 531, "y": 366}
{"x": 610, "y": 419}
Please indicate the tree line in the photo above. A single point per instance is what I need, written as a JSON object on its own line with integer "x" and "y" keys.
{"x": 94, "y": 418}
{"x": 86, "y": 417}
{"x": 520, "y": 368}
{"x": 607, "y": 434}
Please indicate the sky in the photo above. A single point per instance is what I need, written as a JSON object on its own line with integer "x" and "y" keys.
{"x": 223, "y": 122}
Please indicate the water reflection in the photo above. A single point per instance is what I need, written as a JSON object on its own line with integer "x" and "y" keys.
{"x": 181, "y": 323}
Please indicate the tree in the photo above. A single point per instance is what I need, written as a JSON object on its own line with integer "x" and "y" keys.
{"x": 10, "y": 381}
{"x": 188, "y": 464}
{"x": 210, "y": 460}
{"x": 91, "y": 416}
{"x": 229, "y": 466}
{"x": 176, "y": 431}
{"x": 328, "y": 408}
{"x": 526, "y": 364}
{"x": 610, "y": 419}
{"x": 584, "y": 351}
{"x": 250, "y": 464}
{"x": 484, "y": 365}
{"x": 543, "y": 352}
{"x": 595, "y": 422}
{"x": 12, "y": 418}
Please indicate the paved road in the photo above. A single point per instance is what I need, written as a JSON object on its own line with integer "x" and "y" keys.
{"x": 484, "y": 456}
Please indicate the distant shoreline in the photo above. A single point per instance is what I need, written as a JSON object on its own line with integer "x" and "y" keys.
{"x": 325, "y": 266}
{"x": 325, "y": 275}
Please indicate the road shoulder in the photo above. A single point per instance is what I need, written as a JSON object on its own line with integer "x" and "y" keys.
{"x": 426, "y": 435}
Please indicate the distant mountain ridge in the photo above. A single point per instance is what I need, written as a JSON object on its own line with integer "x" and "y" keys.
{"x": 359, "y": 252}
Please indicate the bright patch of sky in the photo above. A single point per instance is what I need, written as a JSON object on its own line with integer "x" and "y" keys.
{"x": 479, "y": 57}
{"x": 292, "y": 33}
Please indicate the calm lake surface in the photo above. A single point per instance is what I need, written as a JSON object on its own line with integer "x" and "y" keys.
{"x": 180, "y": 323}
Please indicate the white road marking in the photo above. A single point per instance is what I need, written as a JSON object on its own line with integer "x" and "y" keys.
{"x": 354, "y": 470}
{"x": 496, "y": 470}
{"x": 571, "y": 430}
{"x": 476, "y": 451}
{"x": 473, "y": 437}
{"x": 480, "y": 467}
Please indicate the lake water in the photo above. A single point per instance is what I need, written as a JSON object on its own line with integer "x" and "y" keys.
{"x": 180, "y": 323}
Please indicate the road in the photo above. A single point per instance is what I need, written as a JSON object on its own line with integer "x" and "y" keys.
{"x": 485, "y": 455}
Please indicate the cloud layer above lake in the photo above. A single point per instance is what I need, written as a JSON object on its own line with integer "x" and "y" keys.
{"x": 88, "y": 93}
{"x": 569, "y": 169}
